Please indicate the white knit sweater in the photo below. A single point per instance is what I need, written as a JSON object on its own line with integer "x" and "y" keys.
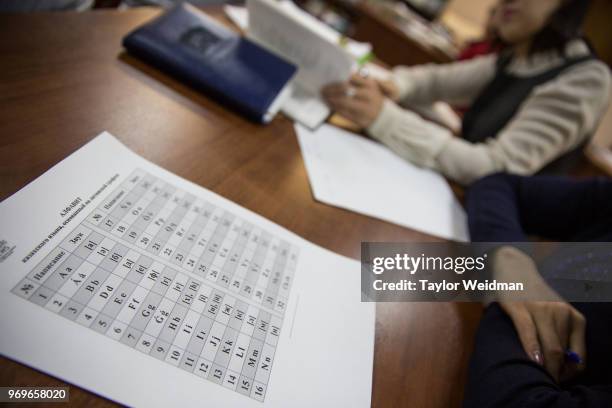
{"x": 554, "y": 119}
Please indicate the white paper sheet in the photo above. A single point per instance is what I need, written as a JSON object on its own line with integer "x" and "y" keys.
{"x": 305, "y": 106}
{"x": 356, "y": 49}
{"x": 352, "y": 172}
{"x": 323, "y": 356}
{"x": 293, "y": 34}
{"x": 319, "y": 60}
{"x": 239, "y": 15}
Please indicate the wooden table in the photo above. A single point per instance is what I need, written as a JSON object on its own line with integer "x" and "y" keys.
{"x": 64, "y": 79}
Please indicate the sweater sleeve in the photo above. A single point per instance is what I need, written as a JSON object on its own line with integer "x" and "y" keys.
{"x": 556, "y": 118}
{"x": 455, "y": 83}
{"x": 507, "y": 208}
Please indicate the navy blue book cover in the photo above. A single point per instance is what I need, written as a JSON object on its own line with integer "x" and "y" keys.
{"x": 188, "y": 44}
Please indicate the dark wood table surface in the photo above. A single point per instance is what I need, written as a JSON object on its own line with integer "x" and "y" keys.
{"x": 64, "y": 78}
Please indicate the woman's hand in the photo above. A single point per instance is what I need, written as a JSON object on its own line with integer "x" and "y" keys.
{"x": 546, "y": 325}
{"x": 546, "y": 330}
{"x": 359, "y": 100}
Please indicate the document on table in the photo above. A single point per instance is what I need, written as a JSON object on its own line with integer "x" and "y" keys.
{"x": 352, "y": 172}
{"x": 131, "y": 282}
{"x": 286, "y": 30}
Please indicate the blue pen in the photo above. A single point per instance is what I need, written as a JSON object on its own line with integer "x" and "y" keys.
{"x": 572, "y": 357}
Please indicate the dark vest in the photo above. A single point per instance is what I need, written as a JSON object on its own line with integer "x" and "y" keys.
{"x": 501, "y": 99}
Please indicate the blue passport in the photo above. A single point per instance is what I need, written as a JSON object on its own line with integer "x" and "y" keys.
{"x": 188, "y": 44}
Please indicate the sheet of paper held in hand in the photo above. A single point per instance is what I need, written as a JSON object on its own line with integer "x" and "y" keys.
{"x": 286, "y": 30}
{"x": 352, "y": 172}
{"x": 124, "y": 279}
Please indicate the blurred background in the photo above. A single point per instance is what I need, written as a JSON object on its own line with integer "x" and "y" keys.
{"x": 402, "y": 32}
{"x": 394, "y": 27}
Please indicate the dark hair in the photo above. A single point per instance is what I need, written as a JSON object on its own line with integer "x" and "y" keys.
{"x": 563, "y": 25}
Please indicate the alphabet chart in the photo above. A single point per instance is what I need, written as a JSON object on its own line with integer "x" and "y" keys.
{"x": 129, "y": 281}
{"x": 121, "y": 273}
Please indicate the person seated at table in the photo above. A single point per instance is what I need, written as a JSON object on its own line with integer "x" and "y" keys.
{"x": 519, "y": 357}
{"x": 538, "y": 100}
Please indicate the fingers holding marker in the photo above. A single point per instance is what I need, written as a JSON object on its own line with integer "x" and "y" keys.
{"x": 576, "y": 354}
{"x": 552, "y": 335}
